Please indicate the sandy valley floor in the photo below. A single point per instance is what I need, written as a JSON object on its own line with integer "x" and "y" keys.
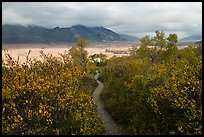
{"x": 22, "y": 50}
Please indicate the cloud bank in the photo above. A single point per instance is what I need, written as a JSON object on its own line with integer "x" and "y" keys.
{"x": 134, "y": 18}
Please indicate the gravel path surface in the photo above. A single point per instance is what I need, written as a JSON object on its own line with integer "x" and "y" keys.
{"x": 110, "y": 126}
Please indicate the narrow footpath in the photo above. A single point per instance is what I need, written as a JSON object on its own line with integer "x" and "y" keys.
{"x": 110, "y": 126}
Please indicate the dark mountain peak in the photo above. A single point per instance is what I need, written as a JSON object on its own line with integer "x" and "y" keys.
{"x": 35, "y": 27}
{"x": 100, "y": 27}
{"x": 79, "y": 26}
{"x": 38, "y": 34}
{"x": 56, "y": 27}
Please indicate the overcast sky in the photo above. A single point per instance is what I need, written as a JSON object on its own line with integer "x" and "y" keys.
{"x": 134, "y": 18}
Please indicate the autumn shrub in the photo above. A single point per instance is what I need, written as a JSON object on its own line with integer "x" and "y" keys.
{"x": 163, "y": 97}
{"x": 45, "y": 97}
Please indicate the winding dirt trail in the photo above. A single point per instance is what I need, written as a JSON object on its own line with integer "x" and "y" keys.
{"x": 110, "y": 126}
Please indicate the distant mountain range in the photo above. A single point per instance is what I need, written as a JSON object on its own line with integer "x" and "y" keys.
{"x": 13, "y": 34}
{"x": 130, "y": 38}
{"x": 196, "y": 37}
{"x": 199, "y": 42}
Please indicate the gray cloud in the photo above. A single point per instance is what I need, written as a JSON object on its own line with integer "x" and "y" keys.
{"x": 183, "y": 18}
